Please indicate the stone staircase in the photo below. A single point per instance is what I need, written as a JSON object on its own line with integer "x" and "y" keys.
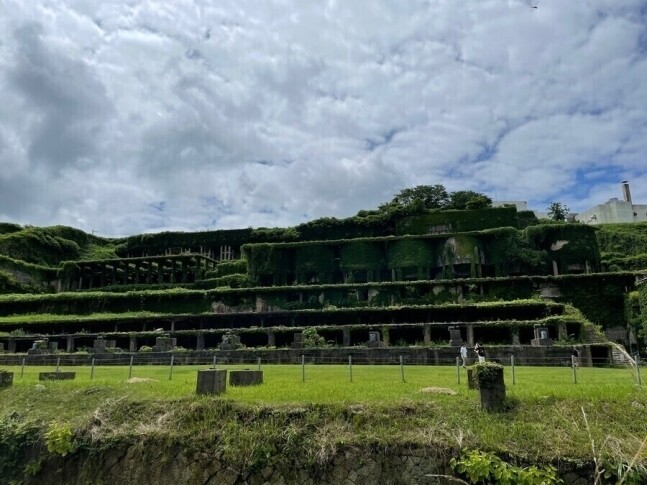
{"x": 593, "y": 336}
{"x": 620, "y": 356}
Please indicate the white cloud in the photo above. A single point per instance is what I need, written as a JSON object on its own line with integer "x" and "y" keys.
{"x": 133, "y": 116}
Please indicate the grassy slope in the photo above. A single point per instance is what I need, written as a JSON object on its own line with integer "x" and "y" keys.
{"x": 286, "y": 418}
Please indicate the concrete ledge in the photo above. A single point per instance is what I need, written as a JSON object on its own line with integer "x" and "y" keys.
{"x": 211, "y": 381}
{"x": 245, "y": 377}
{"x": 6, "y": 379}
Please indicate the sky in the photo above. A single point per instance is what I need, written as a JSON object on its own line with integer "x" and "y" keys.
{"x": 124, "y": 117}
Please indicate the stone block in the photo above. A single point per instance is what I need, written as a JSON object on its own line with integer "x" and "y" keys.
{"x": 245, "y": 377}
{"x": 471, "y": 381}
{"x": 455, "y": 339}
{"x": 211, "y": 381}
{"x": 56, "y": 376}
{"x": 6, "y": 379}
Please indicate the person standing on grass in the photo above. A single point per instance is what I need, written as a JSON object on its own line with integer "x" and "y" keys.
{"x": 464, "y": 355}
{"x": 480, "y": 352}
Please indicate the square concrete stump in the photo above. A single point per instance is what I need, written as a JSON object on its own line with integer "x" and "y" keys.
{"x": 6, "y": 379}
{"x": 245, "y": 377}
{"x": 211, "y": 381}
{"x": 56, "y": 376}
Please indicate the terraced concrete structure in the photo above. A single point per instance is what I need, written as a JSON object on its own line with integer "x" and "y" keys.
{"x": 493, "y": 274}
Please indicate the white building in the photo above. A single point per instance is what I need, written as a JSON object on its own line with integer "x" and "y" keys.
{"x": 615, "y": 210}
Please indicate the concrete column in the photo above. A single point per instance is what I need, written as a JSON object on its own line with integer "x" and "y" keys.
{"x": 70, "y": 344}
{"x": 427, "y": 334}
{"x": 555, "y": 268}
{"x": 116, "y": 327}
{"x": 172, "y": 271}
{"x": 346, "y": 337}
{"x": 436, "y": 357}
{"x": 184, "y": 276}
{"x": 200, "y": 342}
{"x": 172, "y": 325}
{"x": 271, "y": 339}
{"x": 11, "y": 346}
{"x": 133, "y": 344}
{"x": 386, "y": 337}
{"x": 470, "y": 334}
{"x": 515, "y": 336}
{"x": 586, "y": 359}
{"x": 562, "y": 332}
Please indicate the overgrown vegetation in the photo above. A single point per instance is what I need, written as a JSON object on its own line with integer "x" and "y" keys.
{"x": 290, "y": 423}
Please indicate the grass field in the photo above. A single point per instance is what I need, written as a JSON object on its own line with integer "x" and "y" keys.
{"x": 544, "y": 424}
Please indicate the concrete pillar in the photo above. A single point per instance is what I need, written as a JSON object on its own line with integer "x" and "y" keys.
{"x": 427, "y": 334}
{"x": 11, "y": 346}
{"x": 133, "y": 344}
{"x": 184, "y": 275}
{"x": 200, "y": 342}
{"x": 436, "y": 357}
{"x": 515, "y": 336}
{"x": 172, "y": 325}
{"x": 70, "y": 344}
{"x": 470, "y": 334}
{"x": 555, "y": 268}
{"x": 586, "y": 359}
{"x": 346, "y": 337}
{"x": 271, "y": 339}
{"x": 562, "y": 332}
{"x": 385, "y": 337}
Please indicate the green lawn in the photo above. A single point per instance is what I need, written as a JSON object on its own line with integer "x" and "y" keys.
{"x": 331, "y": 383}
{"x": 545, "y": 422}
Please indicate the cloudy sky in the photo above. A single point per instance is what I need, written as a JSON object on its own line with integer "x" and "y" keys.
{"x": 128, "y": 116}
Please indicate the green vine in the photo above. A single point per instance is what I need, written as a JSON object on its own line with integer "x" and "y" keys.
{"x": 486, "y": 468}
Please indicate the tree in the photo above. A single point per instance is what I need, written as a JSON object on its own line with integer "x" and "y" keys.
{"x": 468, "y": 199}
{"x": 421, "y": 196}
{"x": 557, "y": 211}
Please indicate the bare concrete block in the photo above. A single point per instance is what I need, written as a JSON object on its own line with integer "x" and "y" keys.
{"x": 6, "y": 379}
{"x": 211, "y": 381}
{"x": 56, "y": 376}
{"x": 245, "y": 377}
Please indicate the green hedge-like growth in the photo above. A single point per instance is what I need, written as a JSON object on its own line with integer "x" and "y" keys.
{"x": 451, "y": 221}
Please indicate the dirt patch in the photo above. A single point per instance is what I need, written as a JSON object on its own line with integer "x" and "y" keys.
{"x": 439, "y": 390}
{"x": 138, "y": 380}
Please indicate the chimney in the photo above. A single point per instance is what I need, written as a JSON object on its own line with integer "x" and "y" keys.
{"x": 626, "y": 193}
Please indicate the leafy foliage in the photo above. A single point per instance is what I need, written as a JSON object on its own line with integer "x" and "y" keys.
{"x": 484, "y": 468}
{"x": 468, "y": 200}
{"x": 312, "y": 339}
{"x": 58, "y": 438}
{"x": 557, "y": 211}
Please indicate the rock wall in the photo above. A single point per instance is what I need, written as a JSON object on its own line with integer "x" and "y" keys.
{"x": 144, "y": 464}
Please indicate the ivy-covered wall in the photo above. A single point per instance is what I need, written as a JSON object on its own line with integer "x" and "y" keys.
{"x": 452, "y": 221}
{"x": 570, "y": 245}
